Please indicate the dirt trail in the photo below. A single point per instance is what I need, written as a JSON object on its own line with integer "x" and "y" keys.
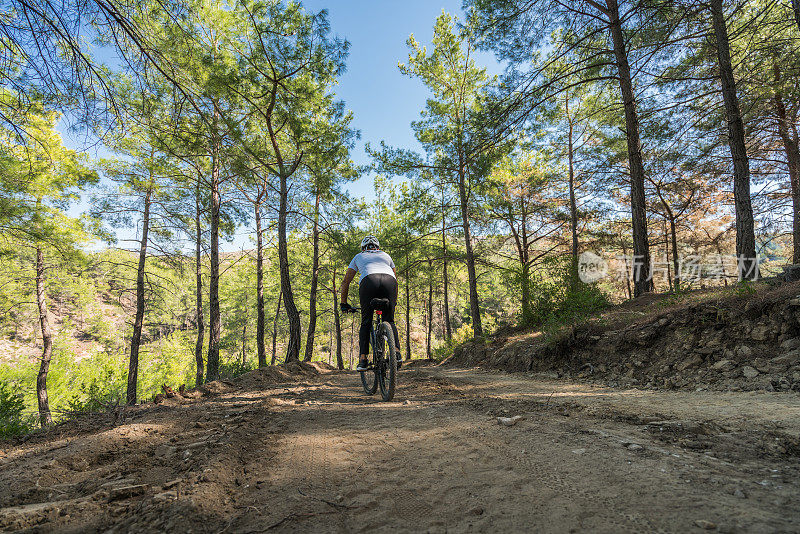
{"x": 320, "y": 456}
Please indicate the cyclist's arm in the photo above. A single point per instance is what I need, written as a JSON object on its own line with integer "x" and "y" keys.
{"x": 348, "y": 277}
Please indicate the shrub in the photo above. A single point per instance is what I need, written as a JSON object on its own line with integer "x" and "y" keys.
{"x": 462, "y": 334}
{"x": 100, "y": 328}
{"x": 96, "y": 392}
{"x": 745, "y": 288}
{"x": 581, "y": 302}
{"x": 168, "y": 361}
{"x": 557, "y": 299}
{"x": 234, "y": 368}
{"x": 13, "y": 421}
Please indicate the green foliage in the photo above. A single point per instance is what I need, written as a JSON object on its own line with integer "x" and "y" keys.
{"x": 581, "y": 302}
{"x": 168, "y": 361}
{"x": 671, "y": 300}
{"x": 100, "y": 329}
{"x": 99, "y": 382}
{"x": 99, "y": 391}
{"x": 555, "y": 299}
{"x": 41, "y": 177}
{"x": 578, "y": 305}
{"x": 13, "y": 421}
{"x": 96, "y": 382}
{"x": 234, "y": 368}
{"x": 460, "y": 335}
{"x": 87, "y": 385}
{"x": 745, "y": 288}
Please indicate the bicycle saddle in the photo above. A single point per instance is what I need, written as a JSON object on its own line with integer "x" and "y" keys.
{"x": 380, "y": 304}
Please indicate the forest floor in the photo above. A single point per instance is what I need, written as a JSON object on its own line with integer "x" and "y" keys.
{"x": 309, "y": 452}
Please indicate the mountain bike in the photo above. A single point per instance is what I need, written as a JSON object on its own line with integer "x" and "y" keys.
{"x": 383, "y": 371}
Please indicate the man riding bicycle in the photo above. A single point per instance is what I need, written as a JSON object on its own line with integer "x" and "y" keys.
{"x": 378, "y": 280}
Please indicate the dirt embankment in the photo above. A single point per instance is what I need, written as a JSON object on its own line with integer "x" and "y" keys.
{"x": 746, "y": 342}
{"x": 134, "y": 467}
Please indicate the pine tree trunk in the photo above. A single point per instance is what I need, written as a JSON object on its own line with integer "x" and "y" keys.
{"x": 136, "y": 338}
{"x": 215, "y": 319}
{"x": 275, "y": 329}
{"x": 666, "y": 251}
{"x": 627, "y": 276}
{"x": 474, "y": 306}
{"x": 198, "y": 346}
{"x": 244, "y": 332}
{"x": 796, "y": 9}
{"x": 525, "y": 292}
{"x": 675, "y": 260}
{"x": 428, "y": 350}
{"x": 337, "y": 324}
{"x": 47, "y": 343}
{"x": 312, "y": 300}
{"x": 331, "y": 337}
{"x": 260, "y": 346}
{"x": 293, "y": 346}
{"x": 408, "y": 309}
{"x": 790, "y": 146}
{"x": 642, "y": 281}
{"x": 573, "y": 205}
{"x": 745, "y": 232}
{"x": 448, "y": 330}
{"x": 573, "y": 212}
{"x": 524, "y": 259}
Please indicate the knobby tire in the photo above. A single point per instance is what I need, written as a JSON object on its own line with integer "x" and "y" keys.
{"x": 369, "y": 379}
{"x": 386, "y": 366}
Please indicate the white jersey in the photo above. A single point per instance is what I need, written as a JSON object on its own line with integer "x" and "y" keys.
{"x": 372, "y": 262}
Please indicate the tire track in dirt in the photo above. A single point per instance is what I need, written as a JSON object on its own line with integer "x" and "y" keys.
{"x": 439, "y": 462}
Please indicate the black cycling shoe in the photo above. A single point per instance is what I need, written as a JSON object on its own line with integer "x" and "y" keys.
{"x": 399, "y": 358}
{"x": 363, "y": 365}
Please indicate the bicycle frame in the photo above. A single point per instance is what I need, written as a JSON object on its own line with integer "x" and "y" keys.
{"x": 376, "y": 323}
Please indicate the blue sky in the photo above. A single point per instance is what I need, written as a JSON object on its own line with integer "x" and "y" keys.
{"x": 383, "y": 101}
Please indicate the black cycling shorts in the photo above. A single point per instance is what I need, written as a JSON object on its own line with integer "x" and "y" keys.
{"x": 376, "y": 286}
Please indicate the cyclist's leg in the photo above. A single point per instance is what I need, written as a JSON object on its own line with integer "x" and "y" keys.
{"x": 366, "y": 292}
{"x": 389, "y": 287}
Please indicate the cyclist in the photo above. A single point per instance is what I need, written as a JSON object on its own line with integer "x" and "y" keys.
{"x": 378, "y": 280}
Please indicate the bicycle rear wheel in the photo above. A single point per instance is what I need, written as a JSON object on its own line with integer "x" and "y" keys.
{"x": 387, "y": 366}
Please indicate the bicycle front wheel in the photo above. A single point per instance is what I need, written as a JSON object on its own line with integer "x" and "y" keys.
{"x": 369, "y": 379}
{"x": 387, "y": 366}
